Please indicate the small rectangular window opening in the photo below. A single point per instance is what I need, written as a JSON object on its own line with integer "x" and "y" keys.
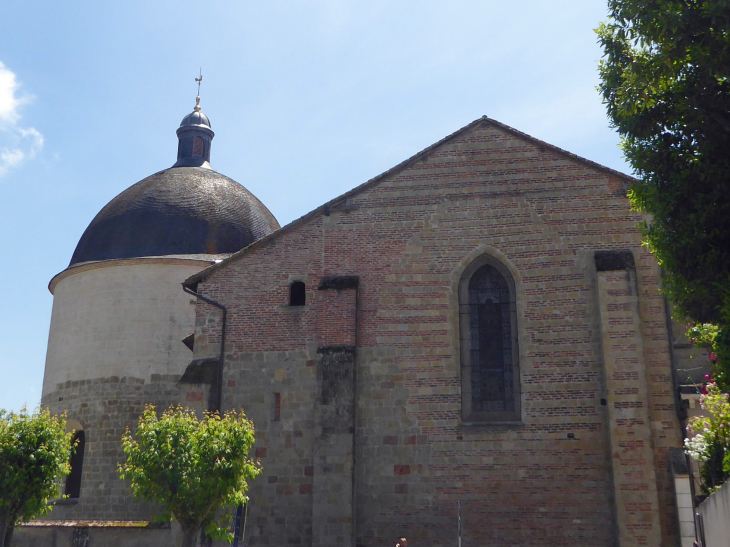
{"x": 277, "y": 407}
{"x": 198, "y": 146}
{"x": 297, "y": 294}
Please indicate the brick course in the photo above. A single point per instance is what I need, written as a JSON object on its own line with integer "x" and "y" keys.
{"x": 548, "y": 479}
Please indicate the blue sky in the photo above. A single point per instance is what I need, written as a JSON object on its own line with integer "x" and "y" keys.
{"x": 307, "y": 99}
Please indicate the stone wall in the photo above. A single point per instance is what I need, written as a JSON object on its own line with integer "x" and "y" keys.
{"x": 547, "y": 479}
{"x": 95, "y": 534}
{"x": 627, "y": 390}
{"x": 114, "y": 346}
{"x": 120, "y": 318}
{"x": 714, "y": 519}
{"x": 105, "y": 408}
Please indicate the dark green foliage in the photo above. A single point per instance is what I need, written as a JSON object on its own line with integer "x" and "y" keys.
{"x": 665, "y": 83}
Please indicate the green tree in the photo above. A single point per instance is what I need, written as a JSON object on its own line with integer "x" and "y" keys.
{"x": 664, "y": 79}
{"x": 192, "y": 468}
{"x": 34, "y": 455}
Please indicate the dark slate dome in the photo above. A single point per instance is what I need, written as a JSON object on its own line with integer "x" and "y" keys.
{"x": 195, "y": 118}
{"x": 178, "y": 211}
{"x": 189, "y": 209}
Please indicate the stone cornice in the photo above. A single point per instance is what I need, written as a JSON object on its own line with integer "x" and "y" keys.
{"x": 88, "y": 266}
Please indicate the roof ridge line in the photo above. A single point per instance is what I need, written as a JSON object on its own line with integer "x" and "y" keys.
{"x": 562, "y": 151}
{"x": 203, "y": 274}
{"x": 322, "y": 208}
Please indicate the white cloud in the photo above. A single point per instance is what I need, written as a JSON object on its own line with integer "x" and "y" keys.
{"x": 17, "y": 144}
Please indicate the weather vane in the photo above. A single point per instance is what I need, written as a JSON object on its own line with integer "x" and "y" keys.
{"x": 197, "y": 99}
{"x": 199, "y": 80}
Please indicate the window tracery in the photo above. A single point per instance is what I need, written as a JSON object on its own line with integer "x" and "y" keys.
{"x": 489, "y": 352}
{"x": 491, "y": 342}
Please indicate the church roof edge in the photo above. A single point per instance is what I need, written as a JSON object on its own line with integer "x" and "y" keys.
{"x": 203, "y": 274}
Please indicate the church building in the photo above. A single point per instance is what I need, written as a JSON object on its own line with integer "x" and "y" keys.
{"x": 472, "y": 344}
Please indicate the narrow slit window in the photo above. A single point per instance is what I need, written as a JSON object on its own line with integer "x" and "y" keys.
{"x": 297, "y": 294}
{"x": 198, "y": 146}
{"x": 277, "y": 407}
{"x": 73, "y": 480}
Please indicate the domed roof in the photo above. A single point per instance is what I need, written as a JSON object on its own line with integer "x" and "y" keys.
{"x": 178, "y": 211}
{"x": 195, "y": 118}
{"x": 188, "y": 209}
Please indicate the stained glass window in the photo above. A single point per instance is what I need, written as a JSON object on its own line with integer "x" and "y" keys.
{"x": 490, "y": 333}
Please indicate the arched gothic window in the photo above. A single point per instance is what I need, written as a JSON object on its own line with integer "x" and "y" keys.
{"x": 489, "y": 356}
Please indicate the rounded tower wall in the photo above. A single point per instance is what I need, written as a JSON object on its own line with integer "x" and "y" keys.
{"x": 120, "y": 313}
{"x": 122, "y": 318}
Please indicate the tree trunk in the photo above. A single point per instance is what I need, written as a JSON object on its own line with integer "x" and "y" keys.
{"x": 9, "y": 535}
{"x": 189, "y": 536}
{"x": 4, "y": 530}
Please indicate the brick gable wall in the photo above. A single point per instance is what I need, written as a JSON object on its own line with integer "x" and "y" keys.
{"x": 548, "y": 480}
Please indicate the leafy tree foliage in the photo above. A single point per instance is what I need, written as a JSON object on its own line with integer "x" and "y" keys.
{"x": 192, "y": 468}
{"x": 34, "y": 455}
{"x": 664, "y": 79}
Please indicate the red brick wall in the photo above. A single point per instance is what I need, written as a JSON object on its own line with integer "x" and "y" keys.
{"x": 408, "y": 238}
